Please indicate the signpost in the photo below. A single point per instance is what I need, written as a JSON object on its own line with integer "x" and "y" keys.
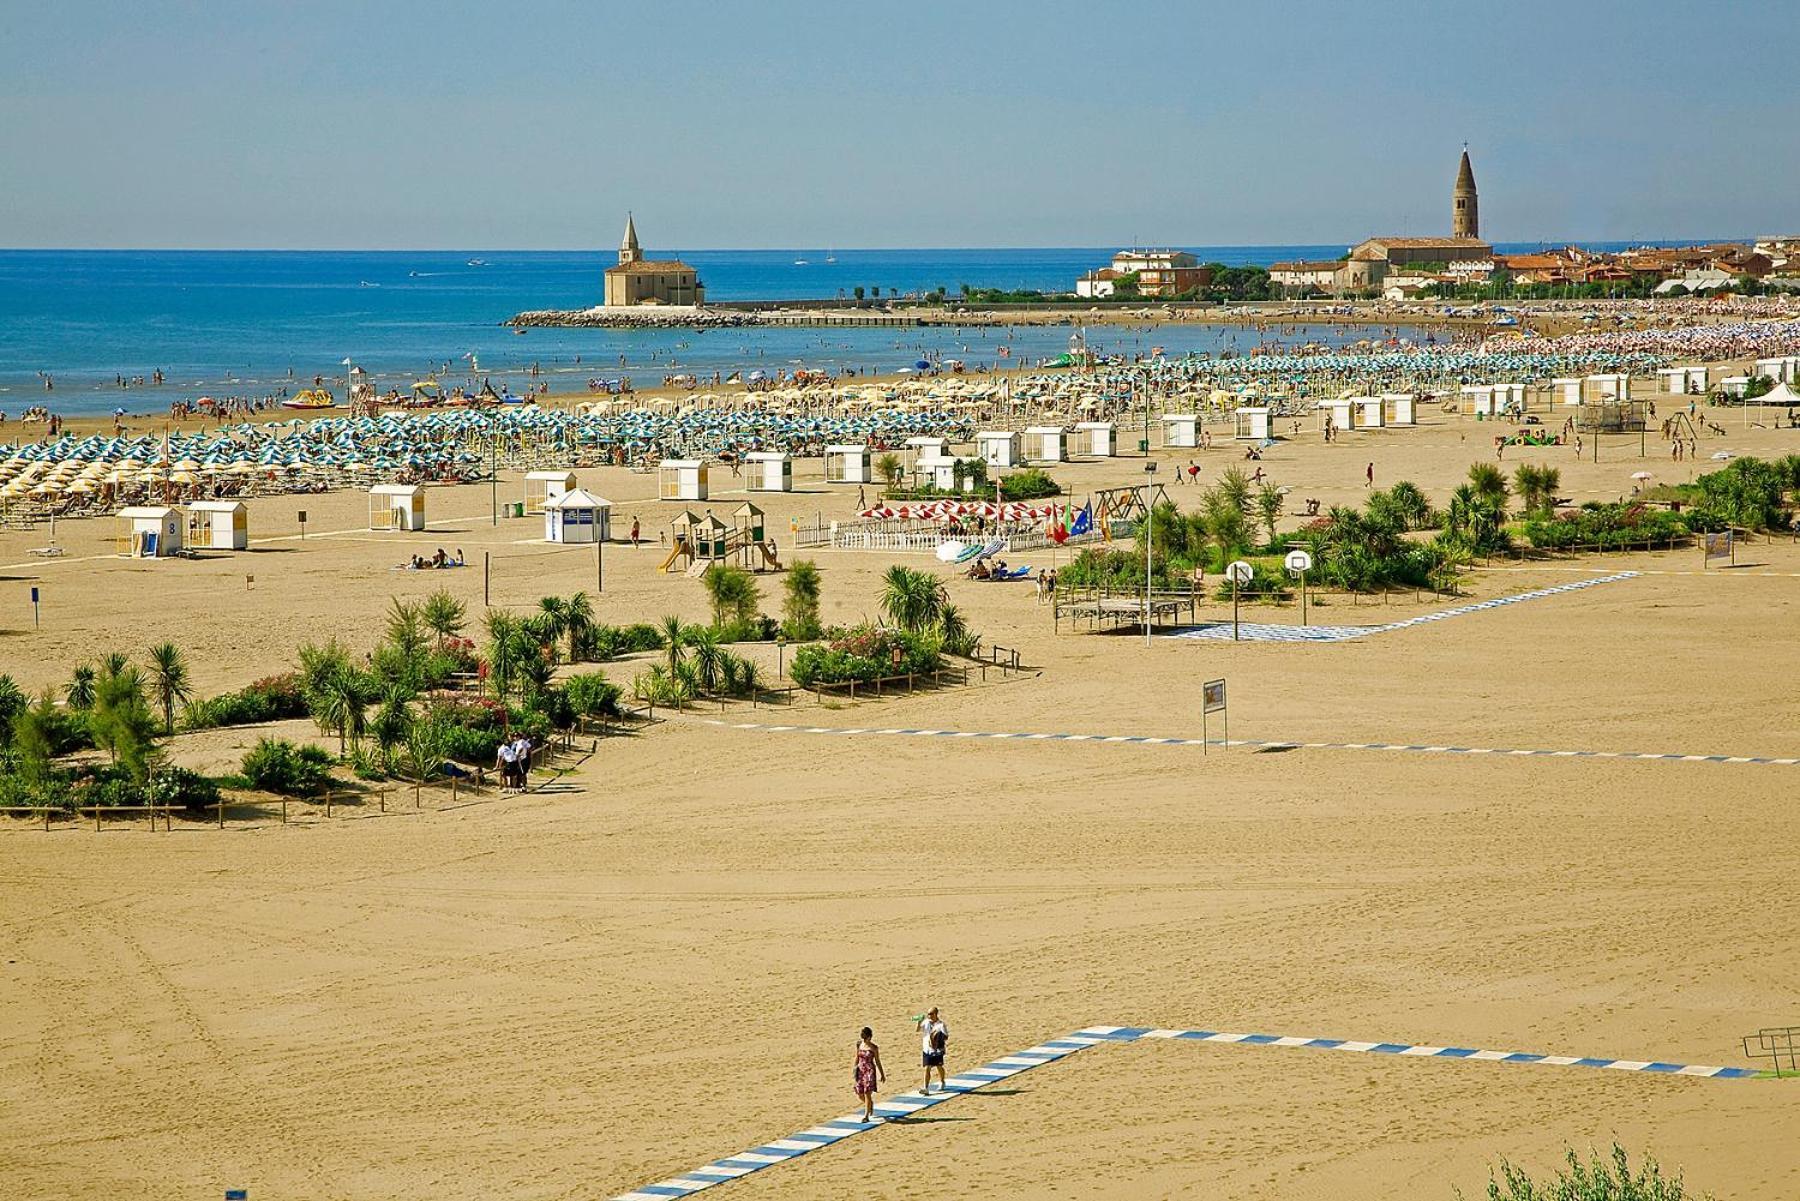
{"x": 1240, "y": 573}
{"x": 303, "y": 525}
{"x": 1212, "y": 700}
{"x": 34, "y": 608}
{"x": 1718, "y": 546}
{"x": 1299, "y": 562}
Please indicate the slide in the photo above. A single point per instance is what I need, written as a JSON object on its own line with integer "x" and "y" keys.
{"x": 768, "y": 556}
{"x": 679, "y": 550}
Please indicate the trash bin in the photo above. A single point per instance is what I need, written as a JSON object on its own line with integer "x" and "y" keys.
{"x": 516, "y": 509}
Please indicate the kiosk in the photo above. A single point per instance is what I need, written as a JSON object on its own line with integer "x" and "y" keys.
{"x": 577, "y": 516}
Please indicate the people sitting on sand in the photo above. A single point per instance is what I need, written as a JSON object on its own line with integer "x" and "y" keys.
{"x": 1312, "y": 506}
{"x": 440, "y": 560}
{"x": 1250, "y": 452}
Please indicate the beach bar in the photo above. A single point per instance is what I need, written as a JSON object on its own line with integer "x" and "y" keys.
{"x": 577, "y": 516}
{"x": 1251, "y": 424}
{"x": 769, "y": 471}
{"x": 541, "y": 487}
{"x": 1049, "y": 443}
{"x": 681, "y": 479}
{"x": 1402, "y": 408}
{"x": 998, "y": 448}
{"x": 219, "y": 525}
{"x": 847, "y": 465}
{"x": 150, "y": 531}
{"x": 1102, "y": 438}
{"x": 396, "y": 507}
{"x": 1181, "y": 430}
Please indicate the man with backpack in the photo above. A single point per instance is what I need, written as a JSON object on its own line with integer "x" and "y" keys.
{"x": 934, "y": 1040}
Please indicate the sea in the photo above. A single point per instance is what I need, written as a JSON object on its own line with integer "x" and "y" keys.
{"x": 259, "y": 323}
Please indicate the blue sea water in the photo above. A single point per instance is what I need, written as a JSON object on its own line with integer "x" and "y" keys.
{"x": 249, "y": 323}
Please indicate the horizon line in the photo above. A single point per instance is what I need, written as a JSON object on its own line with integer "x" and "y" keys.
{"x": 608, "y": 249}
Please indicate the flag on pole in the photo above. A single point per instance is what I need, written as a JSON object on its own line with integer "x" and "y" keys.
{"x": 1084, "y": 521}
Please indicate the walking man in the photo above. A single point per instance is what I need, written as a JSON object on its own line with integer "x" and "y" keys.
{"x": 1370, "y": 475}
{"x": 934, "y": 1040}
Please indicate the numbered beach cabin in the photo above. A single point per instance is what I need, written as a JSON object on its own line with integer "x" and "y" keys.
{"x": 150, "y": 531}
{"x": 577, "y": 516}
{"x": 769, "y": 471}
{"x": 681, "y": 479}
{"x": 1402, "y": 408}
{"x": 219, "y": 525}
{"x": 541, "y": 487}
{"x": 397, "y": 507}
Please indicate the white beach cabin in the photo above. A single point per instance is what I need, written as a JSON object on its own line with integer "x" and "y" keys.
{"x": 681, "y": 479}
{"x": 1479, "y": 398}
{"x": 577, "y": 516}
{"x": 1181, "y": 430}
{"x": 1047, "y": 443}
{"x": 1677, "y": 380}
{"x": 1340, "y": 413}
{"x": 1609, "y": 386}
{"x": 1567, "y": 389}
{"x": 847, "y": 465}
{"x": 941, "y": 471}
{"x": 1775, "y": 369}
{"x": 1509, "y": 398}
{"x": 998, "y": 448}
{"x": 1402, "y": 408}
{"x": 1251, "y": 424}
{"x": 396, "y": 507}
{"x": 1101, "y": 437}
{"x": 541, "y": 487}
{"x": 1370, "y": 412}
{"x": 150, "y": 531}
{"x": 219, "y": 524}
{"x": 769, "y": 471}
{"x": 1735, "y": 385}
{"x": 926, "y": 446}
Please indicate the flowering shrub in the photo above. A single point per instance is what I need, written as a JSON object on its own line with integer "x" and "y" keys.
{"x": 862, "y": 654}
{"x": 272, "y": 699}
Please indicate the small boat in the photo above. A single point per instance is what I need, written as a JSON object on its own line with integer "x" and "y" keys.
{"x": 519, "y": 330}
{"x": 312, "y": 398}
{"x": 477, "y": 262}
{"x": 830, "y": 257}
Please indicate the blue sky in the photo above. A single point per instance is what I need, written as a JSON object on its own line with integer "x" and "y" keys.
{"x": 409, "y": 124}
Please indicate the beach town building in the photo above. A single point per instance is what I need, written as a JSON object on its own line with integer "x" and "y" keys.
{"x": 1372, "y": 260}
{"x": 638, "y": 280}
{"x": 1157, "y": 273}
{"x": 1302, "y": 277}
{"x": 1465, "y": 204}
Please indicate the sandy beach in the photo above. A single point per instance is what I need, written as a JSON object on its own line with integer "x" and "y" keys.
{"x": 663, "y": 958}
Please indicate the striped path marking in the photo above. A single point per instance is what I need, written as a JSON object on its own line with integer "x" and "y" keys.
{"x": 1714, "y": 572}
{"x": 1262, "y": 632}
{"x": 1261, "y": 744}
{"x": 836, "y": 1130}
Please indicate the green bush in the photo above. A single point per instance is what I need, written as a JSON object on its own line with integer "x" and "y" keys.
{"x": 1033, "y": 483}
{"x": 274, "y": 699}
{"x": 592, "y": 695}
{"x": 1605, "y": 526}
{"x": 179, "y": 788}
{"x": 1598, "y": 1179}
{"x": 277, "y": 765}
{"x": 466, "y": 744}
{"x": 862, "y": 654}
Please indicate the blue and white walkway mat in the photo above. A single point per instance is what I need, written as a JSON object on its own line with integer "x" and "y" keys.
{"x": 898, "y": 1109}
{"x": 1252, "y": 631}
{"x": 1261, "y": 744}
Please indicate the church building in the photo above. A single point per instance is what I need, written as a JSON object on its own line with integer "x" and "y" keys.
{"x": 638, "y": 280}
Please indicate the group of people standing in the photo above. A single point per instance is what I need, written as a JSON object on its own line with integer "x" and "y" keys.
{"x": 867, "y": 1071}
{"x": 513, "y": 762}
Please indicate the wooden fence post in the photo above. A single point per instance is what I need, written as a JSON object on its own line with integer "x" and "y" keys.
{"x": 96, "y": 817}
{"x": 284, "y": 810}
{"x": 328, "y": 802}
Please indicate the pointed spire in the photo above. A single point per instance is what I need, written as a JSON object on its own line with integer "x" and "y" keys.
{"x": 629, "y": 250}
{"x": 1465, "y": 174}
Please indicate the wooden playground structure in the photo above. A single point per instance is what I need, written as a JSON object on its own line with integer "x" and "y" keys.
{"x": 699, "y": 542}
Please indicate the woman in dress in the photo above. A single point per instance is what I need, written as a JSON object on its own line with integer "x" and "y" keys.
{"x": 867, "y": 1071}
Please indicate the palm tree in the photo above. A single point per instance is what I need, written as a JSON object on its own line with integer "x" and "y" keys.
{"x": 1537, "y": 486}
{"x": 1234, "y": 486}
{"x": 1489, "y": 483}
{"x": 578, "y": 624}
{"x": 708, "y": 661}
{"x": 503, "y": 650}
{"x": 168, "y": 681}
{"x": 889, "y": 468}
{"x": 80, "y": 692}
{"x": 1473, "y": 517}
{"x": 1410, "y": 502}
{"x": 674, "y": 633}
{"x": 443, "y": 615}
{"x": 340, "y": 708}
{"x": 912, "y": 600}
{"x": 393, "y": 723}
{"x": 554, "y": 614}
